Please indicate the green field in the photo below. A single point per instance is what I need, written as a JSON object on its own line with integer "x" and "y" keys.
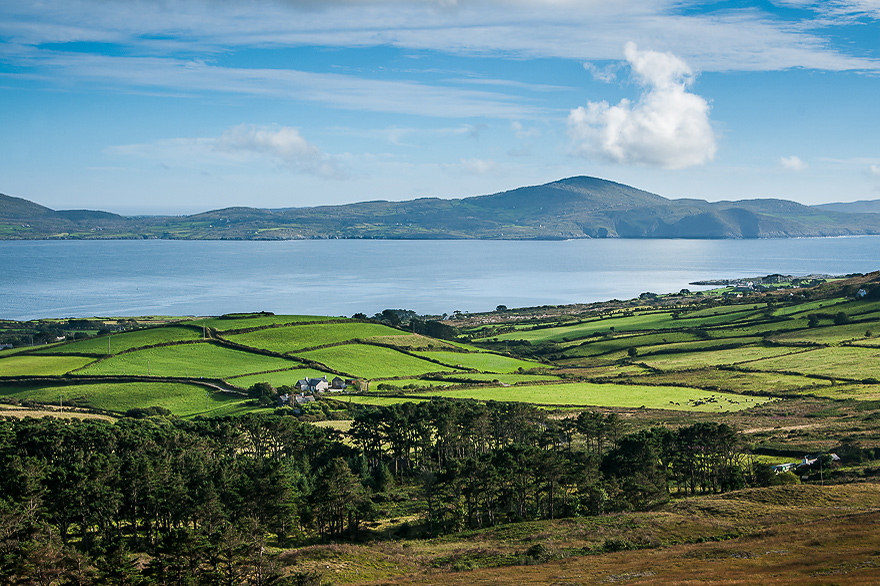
{"x": 181, "y": 399}
{"x": 584, "y": 330}
{"x": 382, "y": 401}
{"x": 761, "y": 328}
{"x": 125, "y": 341}
{"x": 187, "y": 360}
{"x": 737, "y": 381}
{"x": 845, "y": 362}
{"x": 366, "y": 361}
{"x": 608, "y": 395}
{"x": 822, "y": 305}
{"x": 482, "y": 361}
{"x": 692, "y": 360}
{"x": 506, "y": 378}
{"x": 292, "y": 338}
{"x": 732, "y": 312}
{"x": 411, "y": 342}
{"x": 831, "y": 334}
{"x": 401, "y": 383}
{"x": 20, "y": 349}
{"x": 34, "y": 365}
{"x": 277, "y": 379}
{"x": 604, "y": 345}
{"x": 226, "y": 324}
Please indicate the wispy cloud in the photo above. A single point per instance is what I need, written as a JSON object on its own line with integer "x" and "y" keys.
{"x": 475, "y": 167}
{"x": 605, "y": 74}
{"x": 196, "y": 76}
{"x": 521, "y": 132}
{"x": 585, "y": 30}
{"x": 667, "y": 127}
{"x": 792, "y": 163}
{"x": 283, "y": 144}
{"x": 241, "y": 145}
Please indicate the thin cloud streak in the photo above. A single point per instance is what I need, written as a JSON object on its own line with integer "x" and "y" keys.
{"x": 744, "y": 39}
{"x": 241, "y": 145}
{"x": 332, "y": 89}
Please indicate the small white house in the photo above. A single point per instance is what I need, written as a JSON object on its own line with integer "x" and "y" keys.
{"x": 312, "y": 384}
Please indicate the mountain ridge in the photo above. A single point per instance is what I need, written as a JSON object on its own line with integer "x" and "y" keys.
{"x": 570, "y": 208}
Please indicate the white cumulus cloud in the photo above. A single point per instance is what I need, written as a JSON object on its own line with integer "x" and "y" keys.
{"x": 668, "y": 126}
{"x": 792, "y": 163}
{"x": 875, "y": 170}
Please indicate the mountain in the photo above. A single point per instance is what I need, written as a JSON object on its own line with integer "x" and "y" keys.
{"x": 576, "y": 207}
{"x": 855, "y": 207}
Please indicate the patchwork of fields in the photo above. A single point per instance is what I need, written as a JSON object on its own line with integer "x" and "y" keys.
{"x": 712, "y": 355}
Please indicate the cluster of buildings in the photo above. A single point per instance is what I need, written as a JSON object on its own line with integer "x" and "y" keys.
{"x": 312, "y": 386}
{"x": 807, "y": 462}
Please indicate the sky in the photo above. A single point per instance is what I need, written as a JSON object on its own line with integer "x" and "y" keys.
{"x": 177, "y": 107}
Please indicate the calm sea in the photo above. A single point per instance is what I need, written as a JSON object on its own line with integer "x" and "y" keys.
{"x": 342, "y": 277}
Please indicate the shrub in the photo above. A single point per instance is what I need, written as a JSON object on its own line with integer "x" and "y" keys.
{"x": 143, "y": 412}
{"x": 618, "y": 544}
{"x": 785, "y": 478}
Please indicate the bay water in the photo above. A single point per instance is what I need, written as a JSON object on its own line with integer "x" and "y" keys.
{"x": 342, "y": 277}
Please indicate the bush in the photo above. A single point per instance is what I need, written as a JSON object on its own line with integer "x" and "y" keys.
{"x": 785, "y": 478}
{"x": 540, "y": 553}
{"x": 618, "y": 544}
{"x": 143, "y": 412}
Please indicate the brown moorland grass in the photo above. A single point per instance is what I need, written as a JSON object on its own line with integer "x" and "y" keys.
{"x": 20, "y": 412}
{"x": 839, "y": 551}
{"x": 782, "y": 535}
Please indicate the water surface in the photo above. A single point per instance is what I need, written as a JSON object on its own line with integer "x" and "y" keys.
{"x": 342, "y": 277}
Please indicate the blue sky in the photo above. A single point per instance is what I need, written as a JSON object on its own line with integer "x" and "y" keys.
{"x": 164, "y": 106}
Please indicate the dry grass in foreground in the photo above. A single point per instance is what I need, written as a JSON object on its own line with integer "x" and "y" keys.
{"x": 794, "y": 535}
{"x": 840, "y": 551}
{"x": 45, "y": 411}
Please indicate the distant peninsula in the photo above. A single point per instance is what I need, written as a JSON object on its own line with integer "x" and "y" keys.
{"x": 576, "y": 207}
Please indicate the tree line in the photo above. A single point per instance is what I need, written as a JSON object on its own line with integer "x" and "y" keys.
{"x": 197, "y": 502}
{"x": 480, "y": 464}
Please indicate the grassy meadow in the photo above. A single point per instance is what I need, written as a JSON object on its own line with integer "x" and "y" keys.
{"x": 232, "y": 322}
{"x": 292, "y": 338}
{"x": 373, "y": 361}
{"x": 180, "y": 398}
{"x": 116, "y": 343}
{"x": 195, "y": 360}
{"x": 481, "y": 361}
{"x": 597, "y": 395}
{"x": 35, "y": 365}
